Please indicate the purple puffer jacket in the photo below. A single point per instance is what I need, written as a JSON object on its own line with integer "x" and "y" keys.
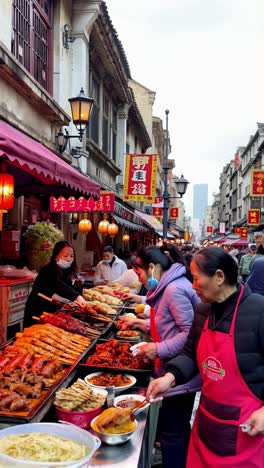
{"x": 173, "y": 301}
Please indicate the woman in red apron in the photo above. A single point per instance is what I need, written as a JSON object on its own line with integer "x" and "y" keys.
{"x": 227, "y": 346}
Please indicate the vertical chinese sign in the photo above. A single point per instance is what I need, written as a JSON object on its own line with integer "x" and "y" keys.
{"x": 243, "y": 233}
{"x": 174, "y": 212}
{"x": 140, "y": 177}
{"x": 156, "y": 211}
{"x": 253, "y": 217}
{"x": 237, "y": 230}
{"x": 257, "y": 183}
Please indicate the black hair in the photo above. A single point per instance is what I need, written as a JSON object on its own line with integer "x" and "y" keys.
{"x": 58, "y": 248}
{"x": 177, "y": 257}
{"x": 211, "y": 259}
{"x": 260, "y": 249}
{"x": 154, "y": 255}
{"x": 108, "y": 248}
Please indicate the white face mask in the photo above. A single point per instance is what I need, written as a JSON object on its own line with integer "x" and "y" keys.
{"x": 64, "y": 264}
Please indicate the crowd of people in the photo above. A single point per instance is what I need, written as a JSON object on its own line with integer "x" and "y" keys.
{"x": 204, "y": 317}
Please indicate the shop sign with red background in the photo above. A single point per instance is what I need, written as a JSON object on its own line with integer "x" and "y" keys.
{"x": 243, "y": 233}
{"x": 236, "y": 160}
{"x": 174, "y": 212}
{"x": 140, "y": 177}
{"x": 158, "y": 200}
{"x": 253, "y": 217}
{"x": 106, "y": 203}
{"x": 209, "y": 229}
{"x": 237, "y": 230}
{"x": 257, "y": 183}
{"x": 156, "y": 211}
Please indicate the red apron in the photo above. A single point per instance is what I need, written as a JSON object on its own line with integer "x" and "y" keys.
{"x": 226, "y": 401}
{"x": 156, "y": 338}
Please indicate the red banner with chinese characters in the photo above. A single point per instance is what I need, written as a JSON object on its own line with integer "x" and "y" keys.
{"x": 257, "y": 183}
{"x": 158, "y": 200}
{"x": 156, "y": 211}
{"x": 140, "y": 177}
{"x": 209, "y": 229}
{"x": 106, "y": 203}
{"x": 174, "y": 212}
{"x": 236, "y": 160}
{"x": 253, "y": 217}
{"x": 237, "y": 230}
{"x": 243, "y": 233}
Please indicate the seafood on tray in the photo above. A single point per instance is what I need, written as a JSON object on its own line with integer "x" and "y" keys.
{"x": 24, "y": 378}
{"x": 114, "y": 354}
{"x": 79, "y": 397}
{"x": 52, "y": 341}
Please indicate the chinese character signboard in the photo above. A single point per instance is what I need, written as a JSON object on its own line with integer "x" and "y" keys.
{"x": 156, "y": 211}
{"x": 236, "y": 160}
{"x": 174, "y": 212}
{"x": 257, "y": 183}
{"x": 106, "y": 203}
{"x": 209, "y": 229}
{"x": 243, "y": 233}
{"x": 158, "y": 200}
{"x": 253, "y": 217}
{"x": 237, "y": 230}
{"x": 140, "y": 177}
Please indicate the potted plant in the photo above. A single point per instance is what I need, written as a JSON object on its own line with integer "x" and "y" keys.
{"x": 40, "y": 239}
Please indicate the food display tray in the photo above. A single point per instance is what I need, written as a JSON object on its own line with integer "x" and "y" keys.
{"x": 128, "y": 370}
{"x": 43, "y": 403}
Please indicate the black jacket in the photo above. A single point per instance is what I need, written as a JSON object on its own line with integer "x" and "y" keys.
{"x": 50, "y": 280}
{"x": 249, "y": 338}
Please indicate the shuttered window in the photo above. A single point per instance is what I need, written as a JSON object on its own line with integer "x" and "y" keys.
{"x": 32, "y": 38}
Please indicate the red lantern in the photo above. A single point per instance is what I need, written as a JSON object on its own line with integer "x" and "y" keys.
{"x": 6, "y": 191}
{"x": 85, "y": 225}
{"x": 103, "y": 225}
{"x": 112, "y": 229}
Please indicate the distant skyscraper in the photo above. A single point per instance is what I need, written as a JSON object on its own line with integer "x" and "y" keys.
{"x": 200, "y": 201}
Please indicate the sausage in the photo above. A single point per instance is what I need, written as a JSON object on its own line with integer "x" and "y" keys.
{"x": 39, "y": 362}
{"x": 18, "y": 404}
{"x": 14, "y": 363}
{"x": 26, "y": 361}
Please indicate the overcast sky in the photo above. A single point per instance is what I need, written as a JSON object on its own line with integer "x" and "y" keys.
{"x": 204, "y": 60}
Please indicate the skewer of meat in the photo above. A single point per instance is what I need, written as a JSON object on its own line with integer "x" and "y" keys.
{"x": 77, "y": 349}
{"x": 67, "y": 322}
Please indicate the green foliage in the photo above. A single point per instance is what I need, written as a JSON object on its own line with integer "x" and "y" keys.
{"x": 42, "y": 232}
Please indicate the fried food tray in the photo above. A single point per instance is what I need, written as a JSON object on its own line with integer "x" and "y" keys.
{"x": 19, "y": 417}
{"x": 94, "y": 368}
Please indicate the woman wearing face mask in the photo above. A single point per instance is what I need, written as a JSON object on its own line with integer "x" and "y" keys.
{"x": 172, "y": 300}
{"x": 53, "y": 278}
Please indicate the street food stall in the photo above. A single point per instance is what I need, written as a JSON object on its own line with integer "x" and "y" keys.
{"x": 50, "y": 370}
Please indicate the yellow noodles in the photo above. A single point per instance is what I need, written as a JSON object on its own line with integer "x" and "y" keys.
{"x": 42, "y": 448}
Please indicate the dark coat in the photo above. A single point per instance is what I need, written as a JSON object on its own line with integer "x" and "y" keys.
{"x": 50, "y": 280}
{"x": 249, "y": 338}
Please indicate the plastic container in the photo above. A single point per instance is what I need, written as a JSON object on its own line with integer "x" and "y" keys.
{"x": 79, "y": 418}
{"x": 61, "y": 430}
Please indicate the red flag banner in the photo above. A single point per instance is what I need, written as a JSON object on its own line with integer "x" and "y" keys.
{"x": 156, "y": 211}
{"x": 253, "y": 217}
{"x": 243, "y": 233}
{"x": 106, "y": 203}
{"x": 174, "y": 212}
{"x": 257, "y": 183}
{"x": 140, "y": 177}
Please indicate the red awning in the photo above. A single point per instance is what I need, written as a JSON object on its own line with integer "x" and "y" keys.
{"x": 241, "y": 243}
{"x": 38, "y": 170}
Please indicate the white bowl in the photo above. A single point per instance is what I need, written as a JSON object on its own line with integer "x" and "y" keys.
{"x": 132, "y": 396}
{"x": 117, "y": 389}
{"x": 67, "y": 431}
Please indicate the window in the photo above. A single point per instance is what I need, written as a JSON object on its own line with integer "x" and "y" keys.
{"x": 94, "y": 126}
{"x": 114, "y": 132}
{"x": 106, "y": 124}
{"x": 31, "y": 41}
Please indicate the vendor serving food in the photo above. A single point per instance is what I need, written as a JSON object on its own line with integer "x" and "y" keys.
{"x": 54, "y": 278}
{"x": 110, "y": 268}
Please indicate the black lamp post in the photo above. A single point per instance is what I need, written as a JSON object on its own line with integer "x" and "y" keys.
{"x": 81, "y": 108}
{"x": 181, "y": 183}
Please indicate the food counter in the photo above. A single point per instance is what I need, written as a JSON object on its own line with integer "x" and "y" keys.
{"x": 13, "y": 297}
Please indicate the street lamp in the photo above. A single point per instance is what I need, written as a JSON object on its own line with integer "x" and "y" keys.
{"x": 181, "y": 183}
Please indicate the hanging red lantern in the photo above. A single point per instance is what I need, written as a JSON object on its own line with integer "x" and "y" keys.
{"x": 85, "y": 225}
{"x": 112, "y": 229}
{"x": 7, "y": 197}
{"x": 103, "y": 225}
{"x": 125, "y": 237}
